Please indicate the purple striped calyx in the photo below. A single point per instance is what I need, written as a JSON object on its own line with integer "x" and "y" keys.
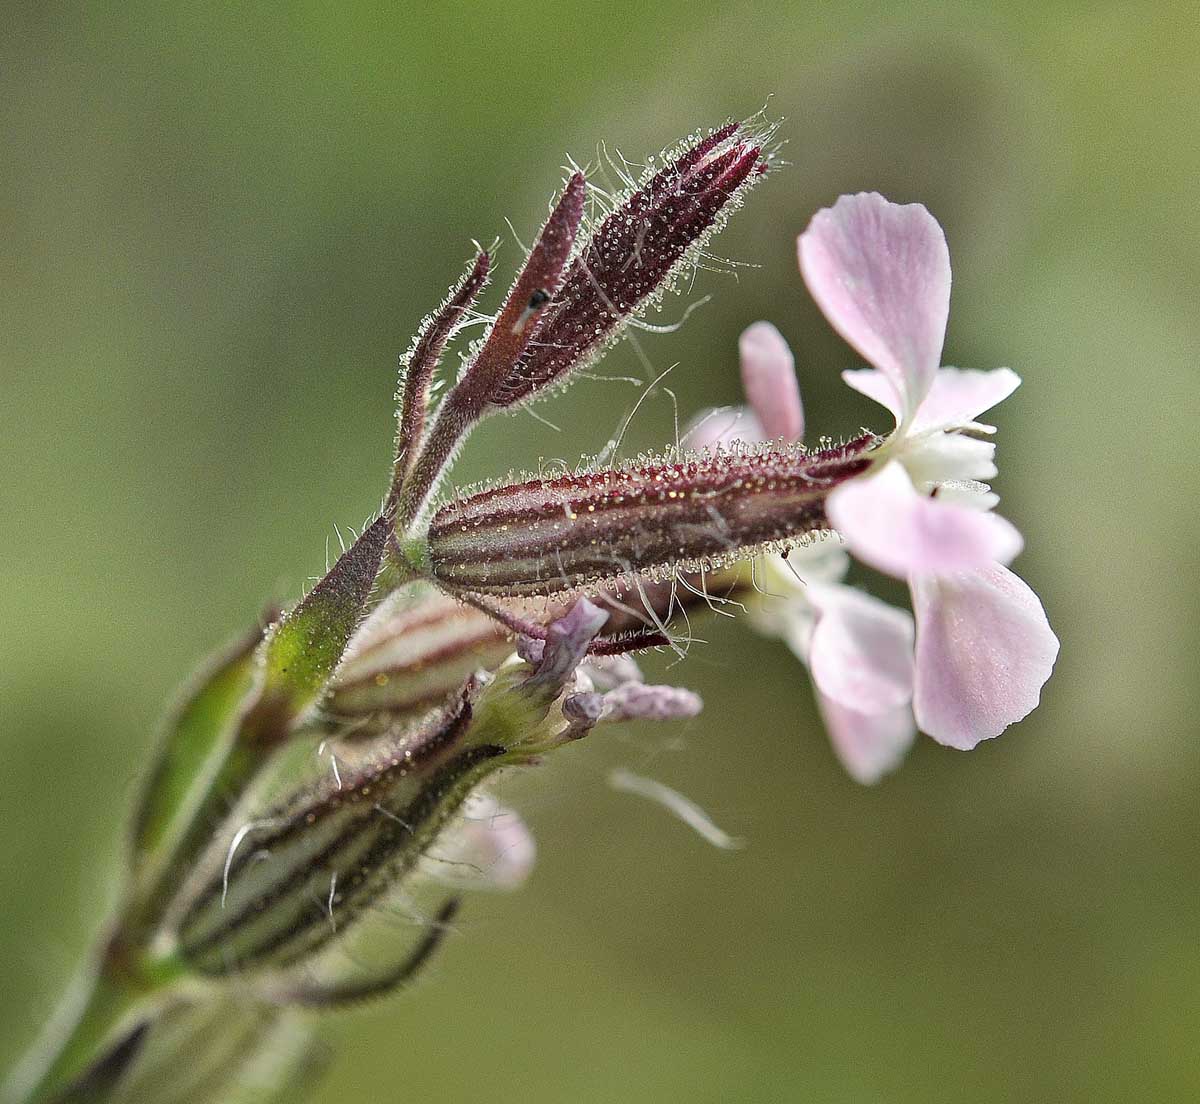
{"x": 690, "y": 512}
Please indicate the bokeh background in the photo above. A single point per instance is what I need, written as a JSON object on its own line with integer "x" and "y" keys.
{"x": 219, "y": 226}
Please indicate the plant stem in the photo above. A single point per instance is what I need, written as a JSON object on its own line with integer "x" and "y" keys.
{"x": 99, "y": 1010}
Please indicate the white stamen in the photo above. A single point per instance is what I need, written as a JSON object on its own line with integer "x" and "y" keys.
{"x": 674, "y": 802}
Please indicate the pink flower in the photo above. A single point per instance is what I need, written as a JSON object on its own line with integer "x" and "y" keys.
{"x": 981, "y": 648}
{"x": 489, "y": 847}
{"x": 859, "y": 650}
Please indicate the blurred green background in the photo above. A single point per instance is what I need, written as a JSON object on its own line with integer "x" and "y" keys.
{"x": 221, "y": 223}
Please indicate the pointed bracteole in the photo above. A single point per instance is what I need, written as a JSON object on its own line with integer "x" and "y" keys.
{"x": 356, "y": 990}
{"x": 306, "y": 646}
{"x": 198, "y": 742}
{"x": 509, "y": 336}
{"x": 420, "y": 363}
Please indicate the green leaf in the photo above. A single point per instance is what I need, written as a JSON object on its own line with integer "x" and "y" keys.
{"x": 196, "y": 745}
{"x": 223, "y": 1050}
{"x": 213, "y": 765}
{"x": 308, "y": 643}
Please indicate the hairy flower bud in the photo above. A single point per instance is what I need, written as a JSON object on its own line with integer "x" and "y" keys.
{"x": 633, "y": 255}
{"x": 570, "y": 301}
{"x": 281, "y": 887}
{"x": 278, "y": 888}
{"x": 489, "y": 847}
{"x": 693, "y": 512}
{"x": 416, "y": 656}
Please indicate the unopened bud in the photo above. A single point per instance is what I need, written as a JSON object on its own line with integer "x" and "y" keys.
{"x": 416, "y": 656}
{"x": 639, "y": 701}
{"x": 284, "y": 885}
{"x": 633, "y": 256}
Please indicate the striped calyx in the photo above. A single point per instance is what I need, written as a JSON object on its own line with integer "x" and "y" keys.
{"x": 415, "y": 657}
{"x": 282, "y": 887}
{"x": 688, "y": 512}
{"x": 291, "y": 880}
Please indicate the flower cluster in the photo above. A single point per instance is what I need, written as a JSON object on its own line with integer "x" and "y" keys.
{"x": 342, "y": 754}
{"x": 922, "y": 512}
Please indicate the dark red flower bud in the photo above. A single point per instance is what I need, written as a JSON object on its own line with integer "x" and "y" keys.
{"x": 633, "y": 256}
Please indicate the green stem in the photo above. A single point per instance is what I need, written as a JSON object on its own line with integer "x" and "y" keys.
{"x": 101, "y": 1007}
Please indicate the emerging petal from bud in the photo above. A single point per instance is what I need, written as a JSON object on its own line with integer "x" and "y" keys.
{"x": 638, "y": 701}
{"x": 489, "y": 847}
{"x": 769, "y": 380}
{"x": 695, "y": 512}
{"x": 566, "y": 644}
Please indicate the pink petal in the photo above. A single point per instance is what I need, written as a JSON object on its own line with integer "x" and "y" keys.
{"x": 861, "y": 652}
{"x": 722, "y": 426}
{"x": 959, "y": 395}
{"x": 880, "y": 272}
{"x": 868, "y": 745}
{"x": 489, "y": 847}
{"x": 984, "y": 651}
{"x": 875, "y": 385}
{"x": 769, "y": 380}
{"x": 888, "y": 525}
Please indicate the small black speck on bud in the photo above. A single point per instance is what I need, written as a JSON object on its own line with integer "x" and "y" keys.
{"x": 633, "y": 255}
